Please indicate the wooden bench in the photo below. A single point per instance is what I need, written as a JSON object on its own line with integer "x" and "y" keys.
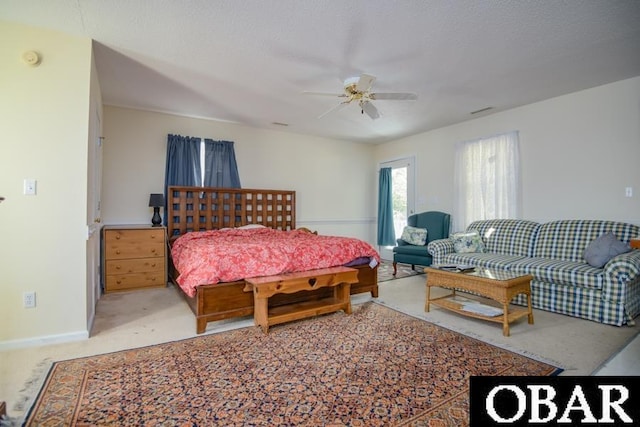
{"x": 339, "y": 278}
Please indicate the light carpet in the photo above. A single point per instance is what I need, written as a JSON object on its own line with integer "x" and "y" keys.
{"x": 385, "y": 271}
{"x": 578, "y": 346}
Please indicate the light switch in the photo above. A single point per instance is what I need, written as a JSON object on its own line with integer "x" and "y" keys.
{"x": 30, "y": 187}
{"x": 628, "y": 192}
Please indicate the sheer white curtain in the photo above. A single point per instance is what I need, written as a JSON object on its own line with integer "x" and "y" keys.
{"x": 486, "y": 179}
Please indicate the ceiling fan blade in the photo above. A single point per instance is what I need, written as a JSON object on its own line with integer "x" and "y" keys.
{"x": 365, "y": 82}
{"x": 370, "y": 109}
{"x": 335, "y": 108}
{"x": 338, "y": 95}
{"x": 403, "y": 96}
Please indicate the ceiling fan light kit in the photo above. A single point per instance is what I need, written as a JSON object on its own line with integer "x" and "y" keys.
{"x": 351, "y": 81}
{"x": 359, "y": 89}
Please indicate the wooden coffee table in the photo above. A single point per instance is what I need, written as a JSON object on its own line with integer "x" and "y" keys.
{"x": 495, "y": 285}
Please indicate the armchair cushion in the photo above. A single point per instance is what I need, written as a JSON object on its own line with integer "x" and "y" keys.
{"x": 414, "y": 235}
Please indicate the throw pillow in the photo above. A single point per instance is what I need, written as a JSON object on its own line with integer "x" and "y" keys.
{"x": 414, "y": 235}
{"x": 602, "y": 249}
{"x": 467, "y": 241}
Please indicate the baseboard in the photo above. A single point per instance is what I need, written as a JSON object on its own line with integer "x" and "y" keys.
{"x": 44, "y": 340}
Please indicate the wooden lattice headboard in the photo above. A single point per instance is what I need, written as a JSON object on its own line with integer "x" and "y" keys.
{"x": 209, "y": 208}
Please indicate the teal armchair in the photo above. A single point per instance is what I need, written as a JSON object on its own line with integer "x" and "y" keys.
{"x": 437, "y": 225}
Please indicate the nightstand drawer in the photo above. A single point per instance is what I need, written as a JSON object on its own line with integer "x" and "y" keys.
{"x": 126, "y": 266}
{"x": 134, "y": 257}
{"x": 134, "y": 243}
{"x": 120, "y": 282}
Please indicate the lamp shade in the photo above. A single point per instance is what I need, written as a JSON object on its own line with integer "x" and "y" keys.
{"x": 156, "y": 200}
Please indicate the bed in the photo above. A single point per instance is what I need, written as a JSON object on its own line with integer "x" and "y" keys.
{"x": 216, "y": 211}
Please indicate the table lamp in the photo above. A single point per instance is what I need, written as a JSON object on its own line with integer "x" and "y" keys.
{"x": 156, "y": 201}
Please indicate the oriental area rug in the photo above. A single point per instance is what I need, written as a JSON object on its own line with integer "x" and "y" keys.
{"x": 375, "y": 367}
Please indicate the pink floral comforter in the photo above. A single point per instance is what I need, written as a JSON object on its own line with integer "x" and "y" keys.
{"x": 215, "y": 256}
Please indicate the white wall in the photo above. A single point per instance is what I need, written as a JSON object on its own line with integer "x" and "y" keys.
{"x": 579, "y": 152}
{"x": 44, "y": 122}
{"x": 334, "y": 180}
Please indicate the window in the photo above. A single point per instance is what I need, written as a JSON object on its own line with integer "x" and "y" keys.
{"x": 195, "y": 162}
{"x": 200, "y": 162}
{"x": 486, "y": 179}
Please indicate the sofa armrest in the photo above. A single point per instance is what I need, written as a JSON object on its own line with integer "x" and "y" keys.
{"x": 621, "y": 270}
{"x": 439, "y": 248}
{"x": 400, "y": 242}
{"x": 624, "y": 266}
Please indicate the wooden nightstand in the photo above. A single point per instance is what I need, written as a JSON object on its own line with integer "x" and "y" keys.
{"x": 635, "y": 243}
{"x": 134, "y": 257}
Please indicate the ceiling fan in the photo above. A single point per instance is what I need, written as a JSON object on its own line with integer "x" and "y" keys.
{"x": 359, "y": 89}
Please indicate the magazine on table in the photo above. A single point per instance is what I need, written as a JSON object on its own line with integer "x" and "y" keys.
{"x": 459, "y": 268}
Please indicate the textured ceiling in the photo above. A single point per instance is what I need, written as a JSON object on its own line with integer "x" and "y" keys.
{"x": 248, "y": 61}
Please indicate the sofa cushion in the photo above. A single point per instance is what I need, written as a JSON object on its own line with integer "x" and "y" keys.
{"x": 568, "y": 239}
{"x": 602, "y": 249}
{"x": 414, "y": 235}
{"x": 570, "y": 273}
{"x": 467, "y": 241}
{"x": 485, "y": 260}
{"x": 507, "y": 236}
{"x": 412, "y": 250}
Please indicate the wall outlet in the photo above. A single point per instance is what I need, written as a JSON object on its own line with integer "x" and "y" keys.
{"x": 29, "y": 299}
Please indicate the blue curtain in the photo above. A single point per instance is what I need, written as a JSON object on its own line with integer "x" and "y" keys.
{"x": 220, "y": 166}
{"x": 386, "y": 232}
{"x": 183, "y": 163}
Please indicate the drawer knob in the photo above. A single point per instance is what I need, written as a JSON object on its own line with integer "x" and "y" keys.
{"x": 313, "y": 281}
{"x": 153, "y": 265}
{"x": 117, "y": 237}
{"x": 118, "y": 251}
{"x": 118, "y": 282}
{"x": 117, "y": 267}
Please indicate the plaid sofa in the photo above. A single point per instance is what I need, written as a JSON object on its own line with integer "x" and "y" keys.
{"x": 563, "y": 282}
